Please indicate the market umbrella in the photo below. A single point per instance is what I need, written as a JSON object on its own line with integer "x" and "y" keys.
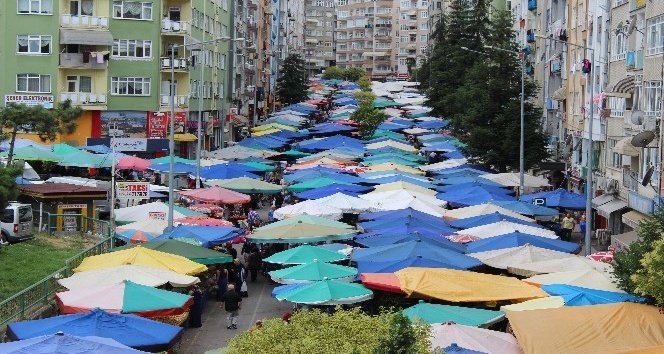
{"x": 148, "y": 276}
{"x": 155, "y": 210}
{"x": 330, "y": 189}
{"x": 415, "y": 249}
{"x": 402, "y": 194}
{"x": 216, "y": 195}
{"x": 196, "y": 220}
{"x": 589, "y": 278}
{"x": 299, "y": 231}
{"x": 305, "y": 254}
{"x": 515, "y": 239}
{"x": 398, "y": 213}
{"x": 59, "y": 342}
{"x": 602, "y": 256}
{"x": 380, "y": 224}
{"x": 436, "y": 313}
{"x": 483, "y": 340}
{"x": 206, "y": 208}
{"x": 86, "y": 159}
{"x": 152, "y": 228}
{"x": 472, "y": 197}
{"x": 308, "y": 207}
{"x": 187, "y": 250}
{"x": 525, "y": 208}
{"x": 486, "y": 219}
{"x": 346, "y": 203}
{"x": 308, "y": 219}
{"x": 314, "y": 271}
{"x": 126, "y": 297}
{"x": 482, "y": 209}
{"x": 506, "y": 227}
{"x": 228, "y": 170}
{"x": 327, "y": 292}
{"x": 207, "y": 235}
{"x": 133, "y": 163}
{"x": 512, "y": 179}
{"x": 405, "y": 230}
{"x": 130, "y": 330}
{"x": 549, "y": 302}
{"x": 143, "y": 257}
{"x": 135, "y": 236}
{"x": 313, "y": 183}
{"x": 512, "y": 258}
{"x": 403, "y": 185}
{"x": 559, "y": 198}
{"x": 399, "y": 264}
{"x": 246, "y": 185}
{"x": 32, "y": 153}
{"x": 573, "y": 263}
{"x": 386, "y": 237}
{"x": 579, "y": 296}
{"x": 176, "y": 159}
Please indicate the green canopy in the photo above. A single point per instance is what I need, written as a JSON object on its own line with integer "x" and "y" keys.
{"x": 435, "y": 313}
{"x": 167, "y": 159}
{"x": 379, "y": 133}
{"x": 259, "y": 166}
{"x": 299, "y": 232}
{"x": 305, "y": 254}
{"x": 309, "y": 219}
{"x": 194, "y": 253}
{"x": 315, "y": 271}
{"x": 246, "y": 185}
{"x": 82, "y": 158}
{"x": 327, "y": 292}
{"x": 313, "y": 183}
{"x": 385, "y": 103}
{"x": 294, "y": 153}
{"x": 64, "y": 149}
{"x": 31, "y": 153}
{"x": 140, "y": 298}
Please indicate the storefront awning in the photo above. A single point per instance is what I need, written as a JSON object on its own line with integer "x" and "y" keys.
{"x": 559, "y": 94}
{"x": 623, "y": 88}
{"x": 188, "y": 137}
{"x": 239, "y": 120}
{"x": 72, "y": 36}
{"x": 633, "y": 218}
{"x": 624, "y": 240}
{"x": 606, "y": 209}
{"x": 602, "y": 199}
{"x": 624, "y": 146}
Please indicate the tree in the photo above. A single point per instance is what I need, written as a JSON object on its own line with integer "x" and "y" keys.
{"x": 47, "y": 124}
{"x": 343, "y": 331}
{"x": 333, "y": 72}
{"x": 369, "y": 119}
{"x": 354, "y": 73}
{"x": 365, "y": 83}
{"x": 364, "y": 97}
{"x": 628, "y": 262}
{"x": 292, "y": 85}
{"x": 402, "y": 337}
{"x": 648, "y": 279}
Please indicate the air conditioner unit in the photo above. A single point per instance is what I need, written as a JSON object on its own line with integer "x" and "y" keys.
{"x": 166, "y": 63}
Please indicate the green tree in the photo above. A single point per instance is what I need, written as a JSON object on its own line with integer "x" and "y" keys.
{"x": 354, "y": 73}
{"x": 365, "y": 83}
{"x": 292, "y": 84}
{"x": 344, "y": 331}
{"x": 48, "y": 124}
{"x": 402, "y": 337}
{"x": 333, "y": 72}
{"x": 648, "y": 279}
{"x": 364, "y": 97}
{"x": 628, "y": 262}
{"x": 369, "y": 119}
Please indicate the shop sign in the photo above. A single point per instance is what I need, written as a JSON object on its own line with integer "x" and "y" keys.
{"x": 159, "y": 124}
{"x": 130, "y": 144}
{"x": 133, "y": 190}
{"x": 73, "y": 206}
{"x": 69, "y": 222}
{"x": 159, "y": 215}
{"x": 30, "y": 100}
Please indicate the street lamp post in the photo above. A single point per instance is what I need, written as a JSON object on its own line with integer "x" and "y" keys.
{"x": 589, "y": 171}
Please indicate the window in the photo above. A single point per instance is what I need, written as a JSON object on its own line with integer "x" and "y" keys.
{"x": 44, "y": 7}
{"x": 342, "y": 14}
{"x": 424, "y": 26}
{"x": 617, "y": 105}
{"x": 619, "y": 44}
{"x": 616, "y": 158}
{"x": 224, "y": 5}
{"x": 33, "y": 44}
{"x": 424, "y": 14}
{"x": 617, "y": 3}
{"x": 132, "y": 48}
{"x": 423, "y": 49}
{"x": 79, "y": 84}
{"x": 134, "y": 10}
{"x": 33, "y": 83}
{"x": 81, "y": 7}
{"x": 405, "y": 4}
{"x": 655, "y": 28}
{"x": 649, "y": 158}
{"x": 652, "y": 91}
{"x": 423, "y": 38}
{"x": 130, "y": 86}
{"x": 425, "y": 3}
{"x": 403, "y": 62}
{"x": 342, "y": 2}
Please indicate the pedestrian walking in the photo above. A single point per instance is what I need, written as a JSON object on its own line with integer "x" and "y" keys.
{"x": 567, "y": 225}
{"x": 196, "y": 309}
{"x": 221, "y": 280}
{"x": 232, "y": 305}
{"x": 240, "y": 278}
{"x": 254, "y": 263}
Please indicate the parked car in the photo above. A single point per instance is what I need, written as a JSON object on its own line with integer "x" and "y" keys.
{"x": 16, "y": 223}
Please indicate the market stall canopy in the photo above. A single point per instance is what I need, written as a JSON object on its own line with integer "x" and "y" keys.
{"x": 53, "y": 342}
{"x": 436, "y": 313}
{"x": 483, "y": 340}
{"x": 551, "y": 302}
{"x": 526, "y": 208}
{"x": 246, "y": 185}
{"x": 481, "y": 209}
{"x": 308, "y": 207}
{"x": 511, "y": 179}
{"x": 399, "y": 185}
{"x": 194, "y": 253}
{"x": 216, "y": 195}
{"x": 516, "y": 239}
{"x": 130, "y": 330}
{"x": 346, "y": 203}
{"x": 314, "y": 271}
{"x": 574, "y": 263}
{"x": 330, "y": 189}
{"x": 580, "y": 296}
{"x": 305, "y": 254}
{"x": 148, "y": 276}
{"x": 486, "y": 219}
{"x": 300, "y": 230}
{"x": 608, "y": 329}
{"x": 133, "y": 163}
{"x": 207, "y": 236}
{"x": 589, "y": 278}
{"x": 143, "y": 257}
{"x": 415, "y": 249}
{"x": 512, "y": 258}
{"x": 32, "y": 153}
{"x": 559, "y": 198}
{"x": 152, "y": 226}
{"x": 195, "y": 220}
{"x": 155, "y": 210}
{"x": 327, "y": 292}
{"x": 506, "y": 227}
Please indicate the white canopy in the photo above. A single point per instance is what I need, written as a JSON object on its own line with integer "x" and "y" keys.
{"x": 482, "y": 209}
{"x": 147, "y": 276}
{"x": 511, "y": 179}
{"x": 506, "y": 227}
{"x": 511, "y": 258}
{"x": 414, "y": 203}
{"x": 398, "y": 185}
{"x": 149, "y": 225}
{"x": 403, "y": 194}
{"x": 416, "y": 131}
{"x": 473, "y": 338}
{"x": 562, "y": 265}
{"x": 451, "y": 163}
{"x": 550, "y": 302}
{"x": 155, "y": 210}
{"x": 589, "y": 278}
{"x": 347, "y": 203}
{"x": 308, "y": 207}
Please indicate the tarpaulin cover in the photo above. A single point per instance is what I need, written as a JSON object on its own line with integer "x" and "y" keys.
{"x": 606, "y": 329}
{"x": 141, "y": 256}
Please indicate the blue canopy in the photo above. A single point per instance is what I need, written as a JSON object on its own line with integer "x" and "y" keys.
{"x": 63, "y": 343}
{"x": 399, "y": 213}
{"x": 264, "y": 141}
{"x": 335, "y": 141}
{"x": 473, "y": 186}
{"x": 486, "y": 219}
{"x": 455, "y": 349}
{"x": 392, "y": 126}
{"x": 440, "y": 146}
{"x": 397, "y": 178}
{"x": 399, "y": 264}
{"x": 319, "y": 169}
{"x": 178, "y": 168}
{"x": 526, "y": 208}
{"x": 391, "y": 173}
{"x": 322, "y": 192}
{"x": 306, "y": 175}
{"x": 207, "y": 235}
{"x": 454, "y": 155}
{"x": 516, "y": 239}
{"x": 227, "y": 171}
{"x": 131, "y": 330}
{"x": 288, "y": 287}
{"x": 394, "y": 160}
{"x": 411, "y": 249}
{"x": 459, "y": 172}
{"x": 473, "y": 196}
{"x": 385, "y": 138}
{"x": 381, "y": 224}
{"x": 559, "y": 198}
{"x": 578, "y": 296}
{"x": 394, "y": 238}
{"x": 327, "y": 128}
{"x": 22, "y": 180}
{"x": 465, "y": 180}
{"x": 433, "y": 124}
{"x": 403, "y": 229}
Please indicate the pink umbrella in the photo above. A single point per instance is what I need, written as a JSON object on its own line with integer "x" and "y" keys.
{"x": 606, "y": 257}
{"x": 206, "y": 208}
{"x": 197, "y": 220}
{"x": 216, "y": 195}
{"x": 133, "y": 163}
{"x": 462, "y": 238}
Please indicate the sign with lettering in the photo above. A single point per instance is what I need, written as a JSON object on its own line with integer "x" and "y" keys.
{"x": 72, "y": 206}
{"x": 133, "y": 190}
{"x": 159, "y": 215}
{"x": 539, "y": 201}
{"x": 130, "y": 144}
{"x": 30, "y": 100}
{"x": 158, "y": 123}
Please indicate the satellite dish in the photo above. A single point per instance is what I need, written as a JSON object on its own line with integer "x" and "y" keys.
{"x": 648, "y": 176}
{"x": 630, "y": 29}
{"x": 638, "y": 117}
{"x": 642, "y": 139}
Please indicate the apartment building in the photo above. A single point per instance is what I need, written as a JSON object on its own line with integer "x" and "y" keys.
{"x": 319, "y": 40}
{"x": 118, "y": 60}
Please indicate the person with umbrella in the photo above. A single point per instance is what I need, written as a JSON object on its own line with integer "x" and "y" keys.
{"x": 232, "y": 305}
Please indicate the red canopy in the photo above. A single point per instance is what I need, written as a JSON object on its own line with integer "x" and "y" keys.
{"x": 133, "y": 163}
{"x": 382, "y": 281}
{"x": 216, "y": 195}
{"x": 198, "y": 220}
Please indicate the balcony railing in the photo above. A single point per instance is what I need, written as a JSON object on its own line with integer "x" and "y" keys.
{"x": 630, "y": 180}
{"x": 79, "y": 61}
{"x": 180, "y": 101}
{"x": 179, "y": 27}
{"x": 178, "y": 63}
{"x": 84, "y": 98}
{"x": 83, "y": 21}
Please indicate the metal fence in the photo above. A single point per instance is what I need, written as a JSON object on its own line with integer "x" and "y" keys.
{"x": 18, "y": 306}
{"x": 76, "y": 223}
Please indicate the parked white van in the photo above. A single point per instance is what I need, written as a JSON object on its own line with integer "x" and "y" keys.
{"x": 16, "y": 223}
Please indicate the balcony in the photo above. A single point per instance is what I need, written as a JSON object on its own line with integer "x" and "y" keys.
{"x": 84, "y": 98}
{"x": 180, "y": 101}
{"x": 83, "y": 61}
{"x": 634, "y": 60}
{"x": 179, "y": 64}
{"x": 87, "y": 22}
{"x": 174, "y": 27}
{"x": 630, "y": 180}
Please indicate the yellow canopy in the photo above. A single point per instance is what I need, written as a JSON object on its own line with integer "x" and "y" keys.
{"x": 273, "y": 126}
{"x": 403, "y": 185}
{"x": 608, "y": 329}
{"x": 391, "y": 143}
{"x": 551, "y": 302}
{"x": 265, "y": 132}
{"x": 463, "y": 286}
{"x": 142, "y": 256}
{"x": 188, "y": 137}
{"x": 393, "y": 166}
